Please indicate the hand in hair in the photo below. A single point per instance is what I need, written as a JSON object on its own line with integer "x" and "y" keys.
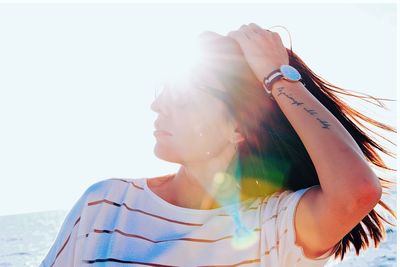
{"x": 263, "y": 49}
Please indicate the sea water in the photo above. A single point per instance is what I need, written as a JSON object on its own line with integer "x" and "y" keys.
{"x": 26, "y": 238}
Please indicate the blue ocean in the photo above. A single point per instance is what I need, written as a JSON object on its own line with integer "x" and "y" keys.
{"x": 26, "y": 238}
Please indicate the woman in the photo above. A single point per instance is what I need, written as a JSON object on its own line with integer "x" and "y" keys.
{"x": 273, "y": 173}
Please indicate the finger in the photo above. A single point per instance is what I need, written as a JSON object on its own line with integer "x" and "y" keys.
{"x": 247, "y": 31}
{"x": 238, "y": 36}
{"x": 278, "y": 38}
{"x": 233, "y": 34}
{"x": 208, "y": 34}
{"x": 257, "y": 29}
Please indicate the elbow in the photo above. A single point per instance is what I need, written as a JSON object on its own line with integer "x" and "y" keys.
{"x": 369, "y": 196}
{"x": 367, "y": 189}
{"x": 374, "y": 193}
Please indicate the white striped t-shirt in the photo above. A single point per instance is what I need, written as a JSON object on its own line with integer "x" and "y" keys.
{"x": 121, "y": 222}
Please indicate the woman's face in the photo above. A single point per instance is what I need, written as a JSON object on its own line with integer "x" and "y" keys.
{"x": 197, "y": 121}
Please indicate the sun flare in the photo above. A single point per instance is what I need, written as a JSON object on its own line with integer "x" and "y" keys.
{"x": 177, "y": 62}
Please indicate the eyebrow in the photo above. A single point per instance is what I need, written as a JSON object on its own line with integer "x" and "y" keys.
{"x": 216, "y": 92}
{"x": 222, "y": 95}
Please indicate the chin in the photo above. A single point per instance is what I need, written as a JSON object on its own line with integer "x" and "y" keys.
{"x": 165, "y": 154}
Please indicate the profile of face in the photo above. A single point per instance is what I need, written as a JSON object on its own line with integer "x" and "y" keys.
{"x": 197, "y": 120}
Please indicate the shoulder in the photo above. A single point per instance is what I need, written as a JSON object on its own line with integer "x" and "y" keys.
{"x": 282, "y": 199}
{"x": 111, "y": 185}
{"x": 100, "y": 186}
{"x": 280, "y": 215}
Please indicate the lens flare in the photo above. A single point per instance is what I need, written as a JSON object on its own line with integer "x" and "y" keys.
{"x": 177, "y": 63}
{"x": 244, "y": 238}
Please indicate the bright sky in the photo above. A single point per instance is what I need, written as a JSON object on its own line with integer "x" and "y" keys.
{"x": 76, "y": 82}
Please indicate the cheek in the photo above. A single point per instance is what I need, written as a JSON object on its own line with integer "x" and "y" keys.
{"x": 200, "y": 129}
{"x": 206, "y": 137}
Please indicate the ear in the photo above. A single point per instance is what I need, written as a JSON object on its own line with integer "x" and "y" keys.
{"x": 237, "y": 137}
{"x": 234, "y": 135}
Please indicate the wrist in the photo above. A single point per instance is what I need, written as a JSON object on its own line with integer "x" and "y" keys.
{"x": 283, "y": 83}
{"x": 285, "y": 75}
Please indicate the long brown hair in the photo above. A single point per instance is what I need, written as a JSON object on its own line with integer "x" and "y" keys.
{"x": 272, "y": 157}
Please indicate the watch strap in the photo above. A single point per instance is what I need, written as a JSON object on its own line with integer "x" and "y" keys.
{"x": 275, "y": 78}
{"x": 272, "y": 73}
{"x": 270, "y": 80}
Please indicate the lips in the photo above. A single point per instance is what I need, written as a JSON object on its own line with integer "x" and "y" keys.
{"x": 159, "y": 130}
{"x": 161, "y": 133}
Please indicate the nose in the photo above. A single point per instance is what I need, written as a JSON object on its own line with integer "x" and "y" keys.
{"x": 154, "y": 105}
{"x": 157, "y": 106}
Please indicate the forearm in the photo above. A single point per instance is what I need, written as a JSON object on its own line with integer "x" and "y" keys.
{"x": 339, "y": 162}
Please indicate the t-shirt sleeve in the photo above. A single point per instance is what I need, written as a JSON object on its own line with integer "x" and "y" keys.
{"x": 62, "y": 252}
{"x": 289, "y": 253}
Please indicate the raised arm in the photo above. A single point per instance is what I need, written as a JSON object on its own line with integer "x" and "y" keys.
{"x": 349, "y": 188}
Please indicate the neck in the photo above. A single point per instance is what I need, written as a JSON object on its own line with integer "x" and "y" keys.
{"x": 209, "y": 184}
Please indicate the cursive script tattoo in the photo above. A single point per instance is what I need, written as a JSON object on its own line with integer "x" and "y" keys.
{"x": 325, "y": 124}
{"x": 311, "y": 111}
{"x": 294, "y": 101}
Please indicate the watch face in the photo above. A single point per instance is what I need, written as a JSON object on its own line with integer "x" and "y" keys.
{"x": 290, "y": 73}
